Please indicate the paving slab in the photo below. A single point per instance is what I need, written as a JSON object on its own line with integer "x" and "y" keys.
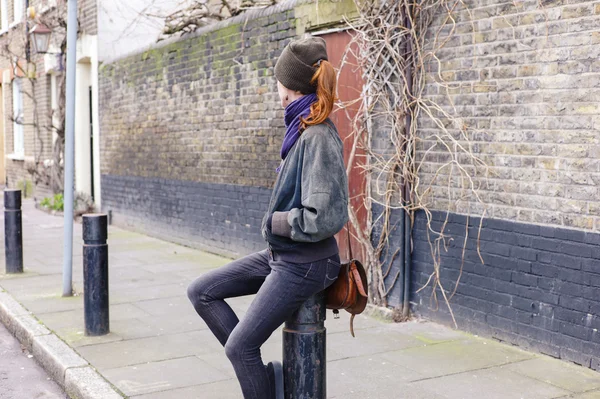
{"x": 164, "y": 375}
{"x": 151, "y": 349}
{"x": 586, "y": 395}
{"x": 456, "y": 356}
{"x": 159, "y": 347}
{"x": 553, "y": 371}
{"x": 491, "y": 383}
{"x": 377, "y": 375}
{"x": 370, "y": 341}
{"x": 228, "y": 389}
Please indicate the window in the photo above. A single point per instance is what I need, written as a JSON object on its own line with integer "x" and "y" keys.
{"x": 18, "y": 10}
{"x": 3, "y": 15}
{"x": 18, "y": 118}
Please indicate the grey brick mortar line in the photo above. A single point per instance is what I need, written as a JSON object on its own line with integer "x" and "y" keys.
{"x": 72, "y": 372}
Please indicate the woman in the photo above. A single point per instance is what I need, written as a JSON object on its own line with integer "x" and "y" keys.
{"x": 308, "y": 206}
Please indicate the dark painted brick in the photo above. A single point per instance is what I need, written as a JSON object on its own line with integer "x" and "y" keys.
{"x": 572, "y": 262}
{"x": 592, "y": 238}
{"x": 529, "y": 310}
{"x": 571, "y": 316}
{"x": 545, "y": 283}
{"x": 570, "y": 235}
{"x": 507, "y": 312}
{"x": 199, "y": 210}
{"x": 547, "y": 323}
{"x": 524, "y": 266}
{"x": 546, "y": 270}
{"x": 500, "y": 274}
{"x": 500, "y": 261}
{"x": 524, "y": 317}
{"x": 524, "y": 278}
{"x": 529, "y": 229}
{"x": 523, "y": 253}
{"x": 547, "y": 231}
{"x": 568, "y": 341}
{"x": 545, "y": 244}
{"x": 525, "y": 304}
{"x": 583, "y": 359}
{"x": 534, "y": 332}
{"x": 574, "y": 330}
{"x": 591, "y": 265}
{"x": 546, "y": 349}
{"x": 576, "y": 249}
{"x": 544, "y": 257}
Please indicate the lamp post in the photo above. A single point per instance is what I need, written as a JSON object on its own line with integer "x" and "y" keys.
{"x": 69, "y": 148}
{"x": 41, "y": 35}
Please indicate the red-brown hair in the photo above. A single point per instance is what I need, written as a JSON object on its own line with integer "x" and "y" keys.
{"x": 325, "y": 79}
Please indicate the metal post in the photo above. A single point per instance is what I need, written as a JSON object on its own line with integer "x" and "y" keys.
{"x": 13, "y": 231}
{"x": 95, "y": 274}
{"x": 69, "y": 148}
{"x": 304, "y": 343}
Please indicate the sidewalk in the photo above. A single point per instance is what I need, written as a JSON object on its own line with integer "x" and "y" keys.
{"x": 159, "y": 348}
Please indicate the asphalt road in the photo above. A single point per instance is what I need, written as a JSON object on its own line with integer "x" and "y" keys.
{"x": 20, "y": 376}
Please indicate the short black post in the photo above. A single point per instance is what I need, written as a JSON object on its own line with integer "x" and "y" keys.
{"x": 304, "y": 359}
{"x": 13, "y": 231}
{"x": 95, "y": 274}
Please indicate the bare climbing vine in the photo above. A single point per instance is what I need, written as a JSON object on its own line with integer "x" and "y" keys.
{"x": 428, "y": 157}
{"x": 201, "y": 13}
{"x": 47, "y": 172}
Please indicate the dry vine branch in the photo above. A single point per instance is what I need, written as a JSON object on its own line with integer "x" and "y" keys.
{"x": 396, "y": 45}
{"x": 204, "y": 12}
{"x": 46, "y": 172}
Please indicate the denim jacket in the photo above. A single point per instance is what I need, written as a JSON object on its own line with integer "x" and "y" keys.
{"x": 309, "y": 203}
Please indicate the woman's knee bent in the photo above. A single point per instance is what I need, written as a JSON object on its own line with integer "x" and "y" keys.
{"x": 197, "y": 292}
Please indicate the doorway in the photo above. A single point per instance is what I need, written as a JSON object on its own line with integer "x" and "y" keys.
{"x": 350, "y": 84}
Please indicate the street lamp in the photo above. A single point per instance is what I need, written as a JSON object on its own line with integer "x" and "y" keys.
{"x": 41, "y": 38}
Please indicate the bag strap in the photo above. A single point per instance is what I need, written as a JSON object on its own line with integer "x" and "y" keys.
{"x": 349, "y": 243}
{"x": 358, "y": 281}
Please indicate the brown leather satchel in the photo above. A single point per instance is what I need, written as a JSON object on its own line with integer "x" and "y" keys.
{"x": 350, "y": 290}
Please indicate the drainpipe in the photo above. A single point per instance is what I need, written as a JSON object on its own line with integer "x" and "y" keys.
{"x": 406, "y": 187}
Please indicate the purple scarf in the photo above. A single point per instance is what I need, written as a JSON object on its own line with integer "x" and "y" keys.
{"x": 293, "y": 112}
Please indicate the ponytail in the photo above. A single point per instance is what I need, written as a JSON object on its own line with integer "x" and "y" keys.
{"x": 325, "y": 79}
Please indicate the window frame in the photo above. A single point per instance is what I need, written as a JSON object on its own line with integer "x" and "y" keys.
{"x": 3, "y": 15}
{"x": 18, "y": 6}
{"x": 18, "y": 116}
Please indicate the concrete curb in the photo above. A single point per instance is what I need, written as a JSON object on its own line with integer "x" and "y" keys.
{"x": 65, "y": 366}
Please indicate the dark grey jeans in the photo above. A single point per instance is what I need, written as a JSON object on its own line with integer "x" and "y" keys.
{"x": 280, "y": 289}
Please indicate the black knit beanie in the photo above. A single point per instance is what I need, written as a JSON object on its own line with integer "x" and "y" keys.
{"x": 294, "y": 68}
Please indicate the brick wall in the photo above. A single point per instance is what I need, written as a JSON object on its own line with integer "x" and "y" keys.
{"x": 88, "y": 16}
{"x": 538, "y": 286}
{"x": 191, "y": 133}
{"x": 524, "y": 77}
{"x": 525, "y": 80}
{"x": 16, "y": 172}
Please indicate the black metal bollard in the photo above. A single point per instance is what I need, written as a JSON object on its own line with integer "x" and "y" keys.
{"x": 304, "y": 344}
{"x": 95, "y": 274}
{"x": 13, "y": 232}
